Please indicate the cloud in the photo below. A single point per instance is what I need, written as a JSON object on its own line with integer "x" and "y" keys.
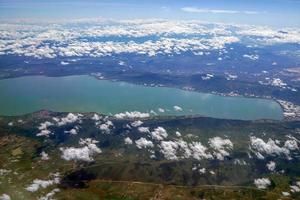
{"x": 216, "y": 11}
{"x": 96, "y": 117}
{"x": 70, "y": 118}
{"x": 44, "y": 133}
{"x": 44, "y": 129}
{"x": 64, "y": 63}
{"x": 251, "y": 57}
{"x": 49, "y": 195}
{"x": 262, "y": 183}
{"x": 271, "y": 166}
{"x": 37, "y": 183}
{"x": 270, "y": 148}
{"x": 44, "y": 156}
{"x": 32, "y": 39}
{"x": 143, "y": 143}
{"x": 177, "y": 108}
{"x": 132, "y": 115}
{"x": 169, "y": 149}
{"x": 136, "y": 123}
{"x": 127, "y": 140}
{"x": 45, "y": 125}
{"x": 84, "y": 153}
{"x": 159, "y": 133}
{"x": 106, "y": 126}
{"x": 144, "y": 129}
{"x": 178, "y": 134}
{"x": 161, "y": 110}
{"x": 5, "y": 197}
{"x": 199, "y": 151}
{"x": 73, "y": 131}
{"x": 220, "y": 146}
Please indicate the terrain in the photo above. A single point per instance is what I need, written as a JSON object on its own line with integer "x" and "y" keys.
{"x": 178, "y": 158}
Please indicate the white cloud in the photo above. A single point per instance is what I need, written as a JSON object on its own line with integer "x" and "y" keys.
{"x": 161, "y": 110}
{"x": 178, "y": 134}
{"x": 44, "y": 156}
{"x": 291, "y": 145}
{"x": 44, "y": 129}
{"x": 106, "y": 126}
{"x": 143, "y": 129}
{"x": 136, "y": 123}
{"x": 270, "y": 148}
{"x": 295, "y": 188}
{"x": 285, "y": 194}
{"x": 73, "y": 131}
{"x": 262, "y": 183}
{"x": 32, "y": 39}
{"x": 132, "y": 115}
{"x": 220, "y": 146}
{"x": 84, "y": 153}
{"x": 271, "y": 166}
{"x": 44, "y": 133}
{"x": 216, "y": 11}
{"x": 45, "y": 125}
{"x": 37, "y": 183}
{"x": 70, "y": 118}
{"x": 159, "y": 133}
{"x": 96, "y": 117}
{"x": 5, "y": 197}
{"x": 49, "y": 195}
{"x": 177, "y": 108}
{"x": 169, "y": 149}
{"x": 199, "y": 151}
{"x": 127, "y": 140}
{"x": 64, "y": 63}
{"x": 143, "y": 143}
{"x": 251, "y": 57}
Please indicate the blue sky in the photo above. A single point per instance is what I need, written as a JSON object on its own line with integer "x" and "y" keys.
{"x": 263, "y": 12}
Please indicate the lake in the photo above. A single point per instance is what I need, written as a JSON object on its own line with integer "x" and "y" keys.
{"x": 87, "y": 94}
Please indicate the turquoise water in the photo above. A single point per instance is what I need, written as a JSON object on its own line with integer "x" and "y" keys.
{"x": 87, "y": 94}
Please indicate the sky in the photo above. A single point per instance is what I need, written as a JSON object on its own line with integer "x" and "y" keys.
{"x": 278, "y": 13}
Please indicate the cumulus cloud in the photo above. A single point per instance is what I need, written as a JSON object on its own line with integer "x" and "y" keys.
{"x": 251, "y": 57}
{"x": 70, "y": 118}
{"x": 106, "y": 126}
{"x": 37, "y": 183}
{"x": 73, "y": 131}
{"x": 177, "y": 108}
{"x": 178, "y": 134}
{"x": 31, "y": 39}
{"x": 199, "y": 151}
{"x": 5, "y": 197}
{"x": 262, "y": 183}
{"x": 144, "y": 129}
{"x": 96, "y": 117}
{"x": 127, "y": 140}
{"x": 45, "y": 125}
{"x": 136, "y": 123}
{"x": 216, "y": 11}
{"x": 159, "y": 133}
{"x": 271, "y": 165}
{"x": 44, "y": 129}
{"x": 169, "y": 149}
{"x": 161, "y": 110}
{"x": 132, "y": 115}
{"x": 144, "y": 143}
{"x": 83, "y": 153}
{"x": 49, "y": 195}
{"x": 270, "y": 148}
{"x": 44, "y": 156}
{"x": 220, "y": 146}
